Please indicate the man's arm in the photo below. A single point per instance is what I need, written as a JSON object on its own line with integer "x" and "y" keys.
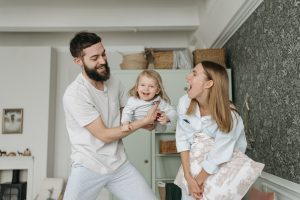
{"x": 108, "y": 135}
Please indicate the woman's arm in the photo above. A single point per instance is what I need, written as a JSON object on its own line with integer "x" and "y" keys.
{"x": 224, "y": 145}
{"x": 202, "y": 176}
{"x": 183, "y": 131}
{"x": 194, "y": 188}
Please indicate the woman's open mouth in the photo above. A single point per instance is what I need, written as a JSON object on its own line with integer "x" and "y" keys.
{"x": 188, "y": 87}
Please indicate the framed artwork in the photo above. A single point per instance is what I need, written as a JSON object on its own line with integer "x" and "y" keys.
{"x": 12, "y": 120}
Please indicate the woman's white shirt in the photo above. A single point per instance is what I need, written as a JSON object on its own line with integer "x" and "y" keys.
{"x": 225, "y": 143}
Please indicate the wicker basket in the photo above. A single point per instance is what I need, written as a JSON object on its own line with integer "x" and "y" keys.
{"x": 167, "y": 146}
{"x": 134, "y": 61}
{"x": 163, "y": 59}
{"x": 215, "y": 55}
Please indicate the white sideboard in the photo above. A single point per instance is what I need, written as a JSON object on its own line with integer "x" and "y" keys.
{"x": 22, "y": 163}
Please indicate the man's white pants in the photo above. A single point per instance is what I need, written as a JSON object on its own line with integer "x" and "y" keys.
{"x": 126, "y": 183}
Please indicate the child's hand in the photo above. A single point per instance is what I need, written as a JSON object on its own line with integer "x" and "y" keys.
{"x": 126, "y": 127}
{"x": 162, "y": 118}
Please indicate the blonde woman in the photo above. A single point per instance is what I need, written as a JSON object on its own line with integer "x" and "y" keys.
{"x": 206, "y": 109}
{"x": 147, "y": 91}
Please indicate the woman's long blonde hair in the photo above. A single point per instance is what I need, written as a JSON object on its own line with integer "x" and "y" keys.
{"x": 151, "y": 74}
{"x": 218, "y": 99}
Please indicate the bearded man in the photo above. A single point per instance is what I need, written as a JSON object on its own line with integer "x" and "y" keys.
{"x": 92, "y": 105}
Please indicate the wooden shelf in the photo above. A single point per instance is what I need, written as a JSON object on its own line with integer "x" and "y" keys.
{"x": 167, "y": 133}
{"x": 164, "y": 179}
{"x": 167, "y": 154}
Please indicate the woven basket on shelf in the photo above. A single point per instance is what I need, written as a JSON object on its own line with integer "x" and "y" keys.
{"x": 163, "y": 59}
{"x": 167, "y": 146}
{"x": 215, "y": 55}
{"x": 134, "y": 61}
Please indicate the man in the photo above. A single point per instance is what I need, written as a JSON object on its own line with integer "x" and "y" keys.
{"x": 92, "y": 106}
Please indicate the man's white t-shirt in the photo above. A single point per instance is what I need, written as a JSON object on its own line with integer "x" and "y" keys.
{"x": 83, "y": 104}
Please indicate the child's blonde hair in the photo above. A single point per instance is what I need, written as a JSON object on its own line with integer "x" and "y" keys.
{"x": 151, "y": 74}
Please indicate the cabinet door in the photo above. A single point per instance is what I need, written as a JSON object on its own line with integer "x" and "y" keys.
{"x": 138, "y": 149}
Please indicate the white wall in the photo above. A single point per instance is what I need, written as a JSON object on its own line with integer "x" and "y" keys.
{"x": 204, "y": 20}
{"x": 56, "y": 39}
{"x": 214, "y": 16}
{"x": 219, "y": 20}
{"x": 70, "y": 15}
{"x": 25, "y": 75}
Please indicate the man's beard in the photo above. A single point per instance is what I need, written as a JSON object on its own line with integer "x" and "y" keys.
{"x": 95, "y": 75}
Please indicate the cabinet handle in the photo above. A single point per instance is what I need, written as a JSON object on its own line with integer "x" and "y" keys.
{"x": 146, "y": 161}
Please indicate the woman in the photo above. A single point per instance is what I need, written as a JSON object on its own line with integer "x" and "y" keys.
{"x": 206, "y": 109}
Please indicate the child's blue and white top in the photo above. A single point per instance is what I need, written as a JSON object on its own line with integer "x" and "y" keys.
{"x": 136, "y": 108}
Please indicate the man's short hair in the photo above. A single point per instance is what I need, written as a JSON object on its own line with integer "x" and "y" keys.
{"x": 81, "y": 41}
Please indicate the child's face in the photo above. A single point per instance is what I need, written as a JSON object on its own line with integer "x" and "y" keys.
{"x": 147, "y": 88}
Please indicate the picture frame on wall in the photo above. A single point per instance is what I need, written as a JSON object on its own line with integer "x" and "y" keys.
{"x": 12, "y": 120}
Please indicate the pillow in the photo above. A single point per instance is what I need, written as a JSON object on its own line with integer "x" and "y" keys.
{"x": 233, "y": 179}
{"x": 255, "y": 194}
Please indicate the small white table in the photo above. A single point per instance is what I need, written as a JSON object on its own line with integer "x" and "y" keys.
{"x": 22, "y": 163}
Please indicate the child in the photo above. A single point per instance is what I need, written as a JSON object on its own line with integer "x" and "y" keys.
{"x": 206, "y": 109}
{"x": 147, "y": 91}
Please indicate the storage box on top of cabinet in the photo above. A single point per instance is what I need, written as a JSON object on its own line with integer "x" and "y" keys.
{"x": 163, "y": 60}
{"x": 215, "y": 55}
{"x": 134, "y": 61}
{"x": 169, "y": 58}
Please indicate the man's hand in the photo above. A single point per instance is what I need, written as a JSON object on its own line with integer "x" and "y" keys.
{"x": 126, "y": 127}
{"x": 151, "y": 117}
{"x": 149, "y": 127}
{"x": 152, "y": 113}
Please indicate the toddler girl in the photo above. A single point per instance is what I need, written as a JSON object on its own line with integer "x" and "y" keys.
{"x": 147, "y": 91}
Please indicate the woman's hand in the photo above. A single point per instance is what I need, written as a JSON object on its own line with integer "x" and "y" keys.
{"x": 194, "y": 189}
{"x": 200, "y": 179}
